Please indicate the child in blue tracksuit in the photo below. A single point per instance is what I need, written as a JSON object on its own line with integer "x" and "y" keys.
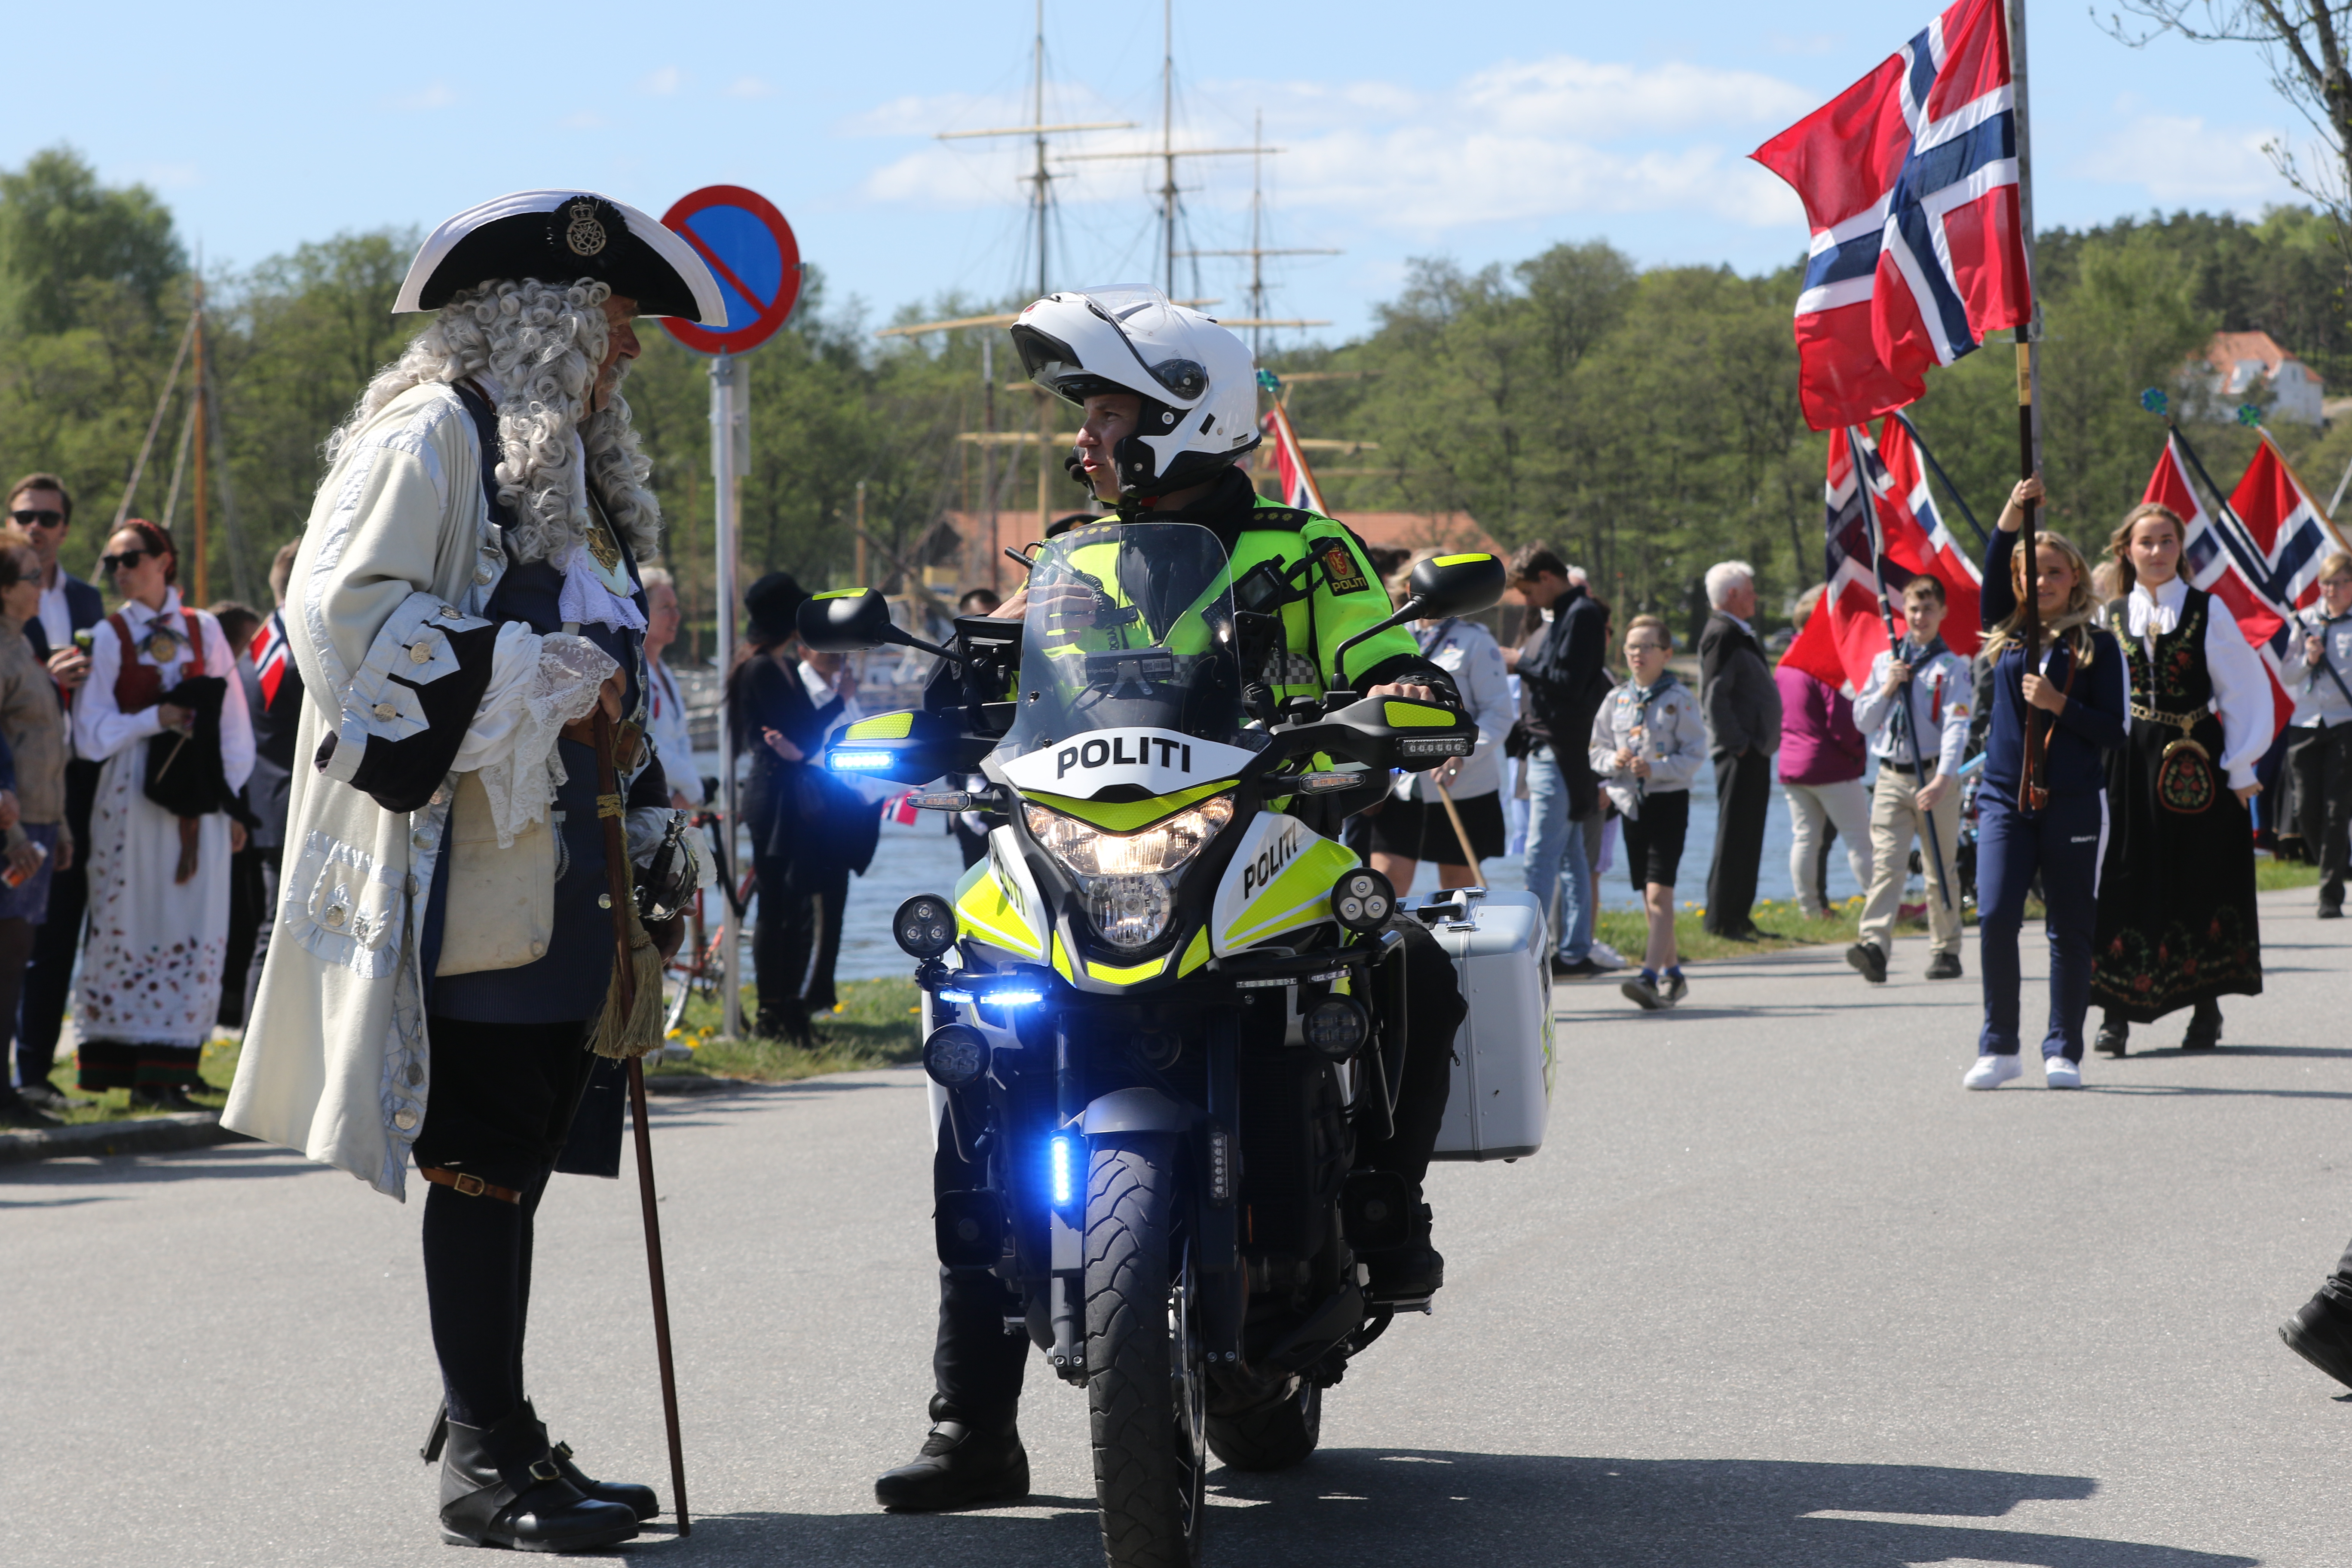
{"x": 2077, "y": 692}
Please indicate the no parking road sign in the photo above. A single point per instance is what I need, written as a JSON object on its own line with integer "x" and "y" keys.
{"x": 750, "y": 251}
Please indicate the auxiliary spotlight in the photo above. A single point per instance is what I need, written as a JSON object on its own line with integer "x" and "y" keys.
{"x": 924, "y": 925}
{"x": 955, "y": 1055}
{"x": 1336, "y": 1027}
{"x": 1362, "y": 900}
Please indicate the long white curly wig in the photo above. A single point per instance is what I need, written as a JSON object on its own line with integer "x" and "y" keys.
{"x": 541, "y": 342}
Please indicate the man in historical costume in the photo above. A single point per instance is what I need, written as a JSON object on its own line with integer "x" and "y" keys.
{"x": 1135, "y": 453}
{"x": 42, "y": 506}
{"x": 465, "y": 616}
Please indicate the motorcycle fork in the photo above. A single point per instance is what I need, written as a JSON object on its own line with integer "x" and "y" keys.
{"x": 1223, "y": 1295}
{"x": 1067, "y": 1239}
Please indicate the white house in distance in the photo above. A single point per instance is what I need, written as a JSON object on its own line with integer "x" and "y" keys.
{"x": 2236, "y": 363}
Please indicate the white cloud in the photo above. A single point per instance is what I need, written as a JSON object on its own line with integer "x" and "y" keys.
{"x": 1516, "y": 141}
{"x": 1564, "y": 96}
{"x": 748, "y": 87}
{"x": 424, "y": 100}
{"x": 2179, "y": 157}
{"x": 663, "y": 82}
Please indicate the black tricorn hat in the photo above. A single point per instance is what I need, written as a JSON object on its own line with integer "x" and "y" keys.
{"x": 560, "y": 236}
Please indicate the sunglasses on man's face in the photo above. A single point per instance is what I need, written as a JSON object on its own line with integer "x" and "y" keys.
{"x": 127, "y": 559}
{"x": 37, "y": 517}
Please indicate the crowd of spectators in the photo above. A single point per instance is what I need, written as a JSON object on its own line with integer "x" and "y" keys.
{"x": 146, "y": 757}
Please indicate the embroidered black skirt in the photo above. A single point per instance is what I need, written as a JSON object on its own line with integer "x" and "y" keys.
{"x": 2177, "y": 919}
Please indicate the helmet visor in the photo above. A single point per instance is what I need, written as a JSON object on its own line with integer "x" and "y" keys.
{"x": 1125, "y": 337}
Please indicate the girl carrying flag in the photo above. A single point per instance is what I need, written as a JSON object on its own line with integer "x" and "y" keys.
{"x": 2073, "y": 688}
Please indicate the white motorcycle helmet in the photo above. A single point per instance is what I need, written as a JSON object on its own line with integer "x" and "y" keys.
{"x": 1197, "y": 381}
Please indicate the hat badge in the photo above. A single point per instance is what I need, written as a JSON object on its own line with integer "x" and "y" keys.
{"x": 585, "y": 236}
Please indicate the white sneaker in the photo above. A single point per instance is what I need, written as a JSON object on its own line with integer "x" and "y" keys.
{"x": 2057, "y": 1072}
{"x": 1608, "y": 957}
{"x": 1992, "y": 1071}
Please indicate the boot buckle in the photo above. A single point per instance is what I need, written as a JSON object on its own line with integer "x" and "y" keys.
{"x": 545, "y": 1470}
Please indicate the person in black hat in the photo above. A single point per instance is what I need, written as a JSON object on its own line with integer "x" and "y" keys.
{"x": 770, "y": 715}
{"x": 466, "y": 615}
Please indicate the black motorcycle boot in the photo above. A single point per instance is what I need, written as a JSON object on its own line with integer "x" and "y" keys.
{"x": 1412, "y": 1272}
{"x": 962, "y": 1464}
{"x": 2321, "y": 1333}
{"x": 500, "y": 1486}
{"x": 2204, "y": 1031}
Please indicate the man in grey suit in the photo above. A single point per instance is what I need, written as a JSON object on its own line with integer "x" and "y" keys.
{"x": 1743, "y": 730}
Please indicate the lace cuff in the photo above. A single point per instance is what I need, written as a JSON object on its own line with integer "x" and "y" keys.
{"x": 538, "y": 686}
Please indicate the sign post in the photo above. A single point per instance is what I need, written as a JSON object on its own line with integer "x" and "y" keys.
{"x": 750, "y": 251}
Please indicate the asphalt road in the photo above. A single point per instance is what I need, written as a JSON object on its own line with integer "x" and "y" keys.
{"x": 1777, "y": 1292}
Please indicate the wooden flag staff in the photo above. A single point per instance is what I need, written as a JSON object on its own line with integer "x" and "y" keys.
{"x": 2032, "y": 788}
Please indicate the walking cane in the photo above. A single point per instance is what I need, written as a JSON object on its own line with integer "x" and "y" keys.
{"x": 1461, "y": 834}
{"x": 616, "y": 873}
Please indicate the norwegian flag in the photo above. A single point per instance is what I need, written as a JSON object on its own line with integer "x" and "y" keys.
{"x": 1909, "y": 181}
{"x": 1298, "y": 481}
{"x": 271, "y": 656}
{"x": 2219, "y": 557}
{"x": 1846, "y": 633}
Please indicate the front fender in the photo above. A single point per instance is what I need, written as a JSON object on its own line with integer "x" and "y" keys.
{"x": 1138, "y": 1110}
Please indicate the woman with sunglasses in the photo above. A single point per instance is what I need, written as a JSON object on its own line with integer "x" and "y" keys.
{"x": 151, "y": 969}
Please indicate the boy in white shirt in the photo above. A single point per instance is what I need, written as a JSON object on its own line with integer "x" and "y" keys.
{"x": 1919, "y": 782}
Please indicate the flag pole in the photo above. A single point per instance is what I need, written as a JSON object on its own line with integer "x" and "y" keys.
{"x": 2030, "y": 790}
{"x": 1937, "y": 469}
{"x": 2223, "y": 509}
{"x": 1906, "y": 728}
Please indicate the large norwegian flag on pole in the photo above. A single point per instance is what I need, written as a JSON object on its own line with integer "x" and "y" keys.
{"x": 2219, "y": 557}
{"x": 1298, "y": 481}
{"x": 1909, "y": 181}
{"x": 1846, "y": 632}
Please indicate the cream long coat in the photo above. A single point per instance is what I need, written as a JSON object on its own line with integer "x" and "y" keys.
{"x": 400, "y": 540}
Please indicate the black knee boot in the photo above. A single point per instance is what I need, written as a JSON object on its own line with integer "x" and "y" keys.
{"x": 973, "y": 1454}
{"x": 501, "y": 1485}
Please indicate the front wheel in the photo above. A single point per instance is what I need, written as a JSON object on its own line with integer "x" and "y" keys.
{"x": 1146, "y": 1387}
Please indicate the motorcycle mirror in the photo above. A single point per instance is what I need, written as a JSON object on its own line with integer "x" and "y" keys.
{"x": 849, "y": 620}
{"x": 1460, "y": 584}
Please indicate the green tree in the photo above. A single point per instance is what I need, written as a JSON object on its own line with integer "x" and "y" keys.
{"x": 61, "y": 231}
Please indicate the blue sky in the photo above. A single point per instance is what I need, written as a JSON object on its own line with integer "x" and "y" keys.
{"x": 1409, "y": 130}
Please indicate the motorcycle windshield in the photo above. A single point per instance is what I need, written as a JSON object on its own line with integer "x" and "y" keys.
{"x": 1130, "y": 685}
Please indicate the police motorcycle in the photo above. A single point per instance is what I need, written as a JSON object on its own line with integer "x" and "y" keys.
{"x": 1159, "y": 1012}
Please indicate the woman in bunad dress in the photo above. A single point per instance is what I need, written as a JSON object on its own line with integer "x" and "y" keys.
{"x": 151, "y": 966}
{"x": 2177, "y": 923}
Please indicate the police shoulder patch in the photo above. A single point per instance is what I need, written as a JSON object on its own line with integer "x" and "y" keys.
{"x": 1340, "y": 571}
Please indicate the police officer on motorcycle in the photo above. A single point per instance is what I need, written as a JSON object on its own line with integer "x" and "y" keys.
{"x": 1169, "y": 404}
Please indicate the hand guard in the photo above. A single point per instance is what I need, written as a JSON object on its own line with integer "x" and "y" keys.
{"x": 667, "y": 882}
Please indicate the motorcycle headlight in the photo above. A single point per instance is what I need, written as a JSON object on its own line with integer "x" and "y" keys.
{"x": 1084, "y": 851}
{"x": 1128, "y": 880}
